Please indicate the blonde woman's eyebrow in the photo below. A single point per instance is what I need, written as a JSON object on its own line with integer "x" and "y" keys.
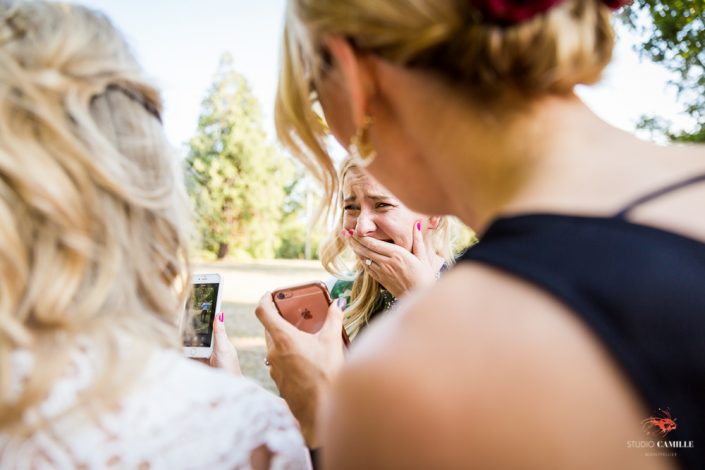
{"x": 378, "y": 197}
{"x": 374, "y": 197}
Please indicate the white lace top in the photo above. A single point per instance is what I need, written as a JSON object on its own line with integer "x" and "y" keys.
{"x": 178, "y": 415}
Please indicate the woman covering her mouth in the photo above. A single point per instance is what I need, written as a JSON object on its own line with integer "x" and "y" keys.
{"x": 396, "y": 249}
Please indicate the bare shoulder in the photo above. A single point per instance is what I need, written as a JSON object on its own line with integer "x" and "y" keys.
{"x": 680, "y": 210}
{"x": 484, "y": 369}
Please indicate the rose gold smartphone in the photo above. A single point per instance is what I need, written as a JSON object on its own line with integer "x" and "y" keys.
{"x": 305, "y": 306}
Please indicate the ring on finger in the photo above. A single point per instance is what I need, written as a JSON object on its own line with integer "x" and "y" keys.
{"x": 368, "y": 262}
{"x": 266, "y": 362}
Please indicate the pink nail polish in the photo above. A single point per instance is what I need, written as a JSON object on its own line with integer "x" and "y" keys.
{"x": 350, "y": 232}
{"x": 221, "y": 317}
{"x": 418, "y": 226}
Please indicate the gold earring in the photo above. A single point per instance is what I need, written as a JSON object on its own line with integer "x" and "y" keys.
{"x": 361, "y": 149}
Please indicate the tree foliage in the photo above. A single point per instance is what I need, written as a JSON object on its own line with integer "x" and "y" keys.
{"x": 295, "y": 219}
{"x": 237, "y": 179}
{"x": 674, "y": 36}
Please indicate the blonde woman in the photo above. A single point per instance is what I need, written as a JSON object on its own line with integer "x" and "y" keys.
{"x": 94, "y": 272}
{"x": 555, "y": 340}
{"x": 395, "y": 248}
{"x": 396, "y": 251}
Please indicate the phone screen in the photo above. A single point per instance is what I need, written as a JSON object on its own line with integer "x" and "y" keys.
{"x": 200, "y": 309}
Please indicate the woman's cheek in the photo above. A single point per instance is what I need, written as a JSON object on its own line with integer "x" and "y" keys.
{"x": 406, "y": 241}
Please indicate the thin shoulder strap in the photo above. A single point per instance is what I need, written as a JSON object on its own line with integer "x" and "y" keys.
{"x": 658, "y": 193}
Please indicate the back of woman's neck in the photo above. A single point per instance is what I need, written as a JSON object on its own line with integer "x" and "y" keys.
{"x": 585, "y": 166}
{"x": 493, "y": 156}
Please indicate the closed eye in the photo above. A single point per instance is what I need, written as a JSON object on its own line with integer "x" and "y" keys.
{"x": 383, "y": 205}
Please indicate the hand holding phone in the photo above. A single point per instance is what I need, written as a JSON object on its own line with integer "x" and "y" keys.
{"x": 200, "y": 313}
{"x": 305, "y": 306}
{"x": 302, "y": 364}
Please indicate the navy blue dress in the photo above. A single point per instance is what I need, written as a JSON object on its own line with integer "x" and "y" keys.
{"x": 640, "y": 289}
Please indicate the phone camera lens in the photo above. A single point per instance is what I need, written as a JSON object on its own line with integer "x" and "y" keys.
{"x": 281, "y": 296}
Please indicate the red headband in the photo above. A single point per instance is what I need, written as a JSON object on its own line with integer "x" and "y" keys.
{"x": 509, "y": 12}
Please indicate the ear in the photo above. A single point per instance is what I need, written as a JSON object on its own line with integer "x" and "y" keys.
{"x": 355, "y": 73}
{"x": 433, "y": 222}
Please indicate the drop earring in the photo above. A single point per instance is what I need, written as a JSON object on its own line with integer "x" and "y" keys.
{"x": 361, "y": 149}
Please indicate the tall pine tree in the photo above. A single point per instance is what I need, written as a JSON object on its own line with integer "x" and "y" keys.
{"x": 237, "y": 178}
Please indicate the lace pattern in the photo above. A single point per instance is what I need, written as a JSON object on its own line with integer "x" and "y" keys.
{"x": 178, "y": 415}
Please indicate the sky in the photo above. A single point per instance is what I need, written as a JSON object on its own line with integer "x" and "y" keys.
{"x": 180, "y": 42}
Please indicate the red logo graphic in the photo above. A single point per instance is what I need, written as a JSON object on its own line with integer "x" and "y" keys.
{"x": 660, "y": 425}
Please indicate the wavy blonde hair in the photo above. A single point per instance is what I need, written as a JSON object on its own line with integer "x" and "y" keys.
{"x": 366, "y": 291}
{"x": 549, "y": 54}
{"x": 93, "y": 228}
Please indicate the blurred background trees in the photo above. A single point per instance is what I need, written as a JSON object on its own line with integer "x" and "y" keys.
{"x": 673, "y": 35}
{"x": 247, "y": 196}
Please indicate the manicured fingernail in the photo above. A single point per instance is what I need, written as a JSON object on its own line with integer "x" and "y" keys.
{"x": 342, "y": 233}
{"x": 418, "y": 226}
{"x": 350, "y": 232}
{"x": 342, "y": 303}
{"x": 221, "y": 317}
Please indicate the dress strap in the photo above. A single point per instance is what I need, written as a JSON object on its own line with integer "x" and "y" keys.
{"x": 658, "y": 193}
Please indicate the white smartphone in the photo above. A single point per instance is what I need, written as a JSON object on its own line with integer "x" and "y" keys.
{"x": 201, "y": 309}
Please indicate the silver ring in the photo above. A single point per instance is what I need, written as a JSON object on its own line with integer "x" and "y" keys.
{"x": 368, "y": 262}
{"x": 266, "y": 362}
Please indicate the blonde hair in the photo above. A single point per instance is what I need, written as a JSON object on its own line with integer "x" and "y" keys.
{"x": 93, "y": 233}
{"x": 366, "y": 291}
{"x": 569, "y": 44}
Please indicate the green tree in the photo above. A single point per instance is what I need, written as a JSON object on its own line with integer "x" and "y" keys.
{"x": 237, "y": 179}
{"x": 674, "y": 36}
{"x": 298, "y": 230}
